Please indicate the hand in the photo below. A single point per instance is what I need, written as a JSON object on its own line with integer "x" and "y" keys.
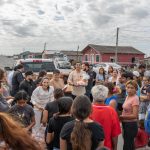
{"x": 40, "y": 108}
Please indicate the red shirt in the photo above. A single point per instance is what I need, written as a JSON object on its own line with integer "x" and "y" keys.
{"x": 108, "y": 118}
{"x": 141, "y": 139}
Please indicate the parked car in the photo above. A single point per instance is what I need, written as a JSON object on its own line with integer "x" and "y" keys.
{"x": 36, "y": 65}
{"x": 61, "y": 63}
{"x": 105, "y": 66}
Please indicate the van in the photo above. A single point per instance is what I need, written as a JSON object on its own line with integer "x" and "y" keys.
{"x": 36, "y": 65}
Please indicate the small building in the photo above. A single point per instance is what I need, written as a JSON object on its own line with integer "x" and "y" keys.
{"x": 126, "y": 55}
{"x": 147, "y": 62}
{"x": 28, "y": 54}
{"x": 50, "y": 54}
{"x": 73, "y": 55}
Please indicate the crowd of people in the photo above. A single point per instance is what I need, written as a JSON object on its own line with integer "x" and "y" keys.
{"x": 87, "y": 113}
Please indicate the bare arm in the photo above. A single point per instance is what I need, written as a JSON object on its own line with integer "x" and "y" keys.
{"x": 115, "y": 142}
{"x": 45, "y": 117}
{"x": 144, "y": 98}
{"x": 49, "y": 137}
{"x": 63, "y": 144}
{"x": 101, "y": 144}
{"x": 113, "y": 104}
{"x": 32, "y": 123}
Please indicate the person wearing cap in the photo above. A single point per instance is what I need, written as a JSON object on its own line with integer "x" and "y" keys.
{"x": 27, "y": 84}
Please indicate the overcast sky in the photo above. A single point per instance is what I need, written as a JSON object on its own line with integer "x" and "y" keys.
{"x": 65, "y": 24}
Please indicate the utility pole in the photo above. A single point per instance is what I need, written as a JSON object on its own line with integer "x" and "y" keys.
{"x": 116, "y": 52}
{"x": 44, "y": 46}
{"x": 78, "y": 53}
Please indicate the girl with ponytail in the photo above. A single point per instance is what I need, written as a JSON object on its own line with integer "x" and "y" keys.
{"x": 83, "y": 133}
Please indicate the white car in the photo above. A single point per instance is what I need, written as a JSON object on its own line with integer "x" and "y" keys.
{"x": 61, "y": 63}
{"x": 105, "y": 66}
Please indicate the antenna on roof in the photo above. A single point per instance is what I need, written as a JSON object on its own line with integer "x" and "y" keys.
{"x": 44, "y": 46}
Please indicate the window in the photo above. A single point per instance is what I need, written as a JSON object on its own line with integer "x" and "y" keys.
{"x": 97, "y": 58}
{"x": 86, "y": 57}
{"x": 38, "y": 66}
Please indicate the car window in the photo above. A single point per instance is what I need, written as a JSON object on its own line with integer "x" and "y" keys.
{"x": 61, "y": 59}
{"x": 114, "y": 65}
{"x": 101, "y": 65}
{"x": 38, "y": 66}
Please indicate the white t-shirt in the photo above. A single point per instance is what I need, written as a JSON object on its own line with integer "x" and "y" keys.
{"x": 74, "y": 77}
{"x": 41, "y": 97}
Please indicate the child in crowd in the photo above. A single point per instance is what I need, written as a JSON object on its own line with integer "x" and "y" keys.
{"x": 57, "y": 122}
{"x": 101, "y": 76}
{"x": 22, "y": 111}
{"x": 141, "y": 139}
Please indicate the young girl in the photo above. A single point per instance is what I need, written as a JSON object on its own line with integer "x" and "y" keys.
{"x": 110, "y": 71}
{"x": 129, "y": 115}
{"x": 114, "y": 77}
{"x": 83, "y": 133}
{"x": 100, "y": 77}
{"x": 22, "y": 111}
{"x": 57, "y": 122}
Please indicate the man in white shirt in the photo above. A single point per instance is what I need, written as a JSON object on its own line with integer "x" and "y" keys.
{"x": 74, "y": 77}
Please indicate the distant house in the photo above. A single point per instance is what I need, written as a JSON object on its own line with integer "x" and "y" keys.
{"x": 147, "y": 62}
{"x": 126, "y": 55}
{"x": 29, "y": 54}
{"x": 73, "y": 55}
{"x": 46, "y": 54}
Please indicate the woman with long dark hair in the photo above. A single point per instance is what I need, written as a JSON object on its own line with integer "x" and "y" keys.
{"x": 83, "y": 133}
{"x": 14, "y": 137}
{"x": 101, "y": 76}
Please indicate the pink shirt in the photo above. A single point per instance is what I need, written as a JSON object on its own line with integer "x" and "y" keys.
{"x": 128, "y": 106}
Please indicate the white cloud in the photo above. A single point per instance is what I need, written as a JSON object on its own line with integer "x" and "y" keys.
{"x": 64, "y": 24}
